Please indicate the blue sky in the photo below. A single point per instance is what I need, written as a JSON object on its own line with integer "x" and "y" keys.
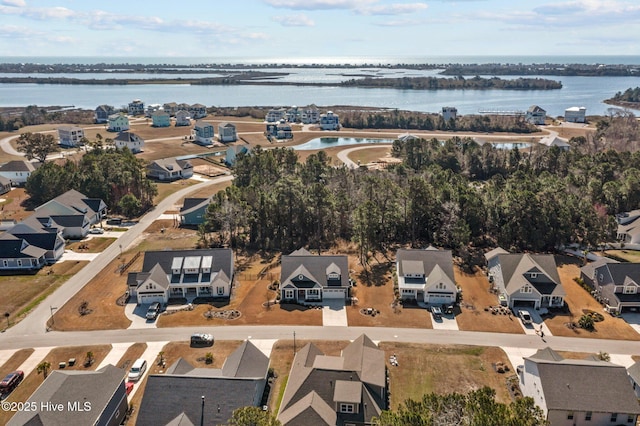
{"x": 318, "y": 28}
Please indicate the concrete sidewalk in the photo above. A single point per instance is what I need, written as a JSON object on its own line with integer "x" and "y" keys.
{"x": 36, "y": 358}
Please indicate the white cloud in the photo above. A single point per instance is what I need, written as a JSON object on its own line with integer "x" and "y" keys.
{"x": 16, "y": 3}
{"x": 319, "y": 4}
{"x": 392, "y": 9}
{"x": 400, "y": 23}
{"x": 15, "y": 32}
{"x": 299, "y": 20}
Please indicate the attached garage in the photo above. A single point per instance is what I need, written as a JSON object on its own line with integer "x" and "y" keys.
{"x": 334, "y": 293}
{"x": 523, "y": 303}
{"x": 439, "y": 298}
{"x": 147, "y": 298}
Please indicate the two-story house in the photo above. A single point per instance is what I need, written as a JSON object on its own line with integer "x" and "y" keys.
{"x": 103, "y": 112}
{"x": 535, "y": 115}
{"x": 305, "y": 277}
{"x": 170, "y": 108}
{"x": 70, "y": 136}
{"x": 310, "y": 115}
{"x": 197, "y": 111}
{"x": 183, "y": 118}
{"x": 275, "y": 115}
{"x": 616, "y": 285}
{"x": 227, "y": 132}
{"x": 136, "y": 107}
{"x": 17, "y": 171}
{"x": 203, "y": 133}
{"x": 628, "y": 231}
{"x": 160, "y": 119}
{"x": 129, "y": 140}
{"x": 182, "y": 273}
{"x": 426, "y": 275}
{"x": 329, "y": 121}
{"x": 117, "y": 123}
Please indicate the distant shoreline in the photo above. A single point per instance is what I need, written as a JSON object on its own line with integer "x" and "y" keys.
{"x": 623, "y": 104}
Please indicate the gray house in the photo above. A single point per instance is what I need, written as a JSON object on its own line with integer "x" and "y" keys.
{"x": 177, "y": 397}
{"x": 535, "y": 115}
{"x": 86, "y": 397}
{"x": 103, "y": 112}
{"x": 194, "y": 211}
{"x": 349, "y": 389}
{"x": 305, "y": 277}
{"x": 524, "y": 279}
{"x": 616, "y": 285}
{"x": 170, "y": 169}
{"x": 426, "y": 275}
{"x": 17, "y": 255}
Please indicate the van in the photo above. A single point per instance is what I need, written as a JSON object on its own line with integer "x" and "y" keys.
{"x": 137, "y": 370}
{"x": 153, "y": 311}
{"x": 11, "y": 380}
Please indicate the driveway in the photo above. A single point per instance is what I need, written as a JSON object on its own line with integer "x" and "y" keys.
{"x": 137, "y": 314}
{"x": 72, "y": 255}
{"x": 114, "y": 355}
{"x": 633, "y": 319}
{"x": 538, "y": 323}
{"x": 334, "y": 313}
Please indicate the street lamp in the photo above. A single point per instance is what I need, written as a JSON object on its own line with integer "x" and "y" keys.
{"x": 7, "y": 315}
{"x": 52, "y": 308}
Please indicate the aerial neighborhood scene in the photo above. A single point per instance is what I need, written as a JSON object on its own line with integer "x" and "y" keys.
{"x": 327, "y": 212}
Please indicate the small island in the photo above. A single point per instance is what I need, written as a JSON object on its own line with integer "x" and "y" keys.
{"x": 630, "y": 98}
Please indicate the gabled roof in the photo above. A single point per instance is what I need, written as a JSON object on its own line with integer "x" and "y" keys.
{"x": 568, "y": 384}
{"x": 222, "y": 259}
{"x": 535, "y": 108}
{"x": 634, "y": 371}
{"x": 12, "y": 247}
{"x": 181, "y": 420}
{"x": 170, "y": 165}
{"x": 554, "y": 141}
{"x": 429, "y": 258}
{"x": 17, "y": 166}
{"x": 314, "y": 267}
{"x": 202, "y": 123}
{"x": 515, "y": 265}
{"x": 192, "y": 204}
{"x": 127, "y": 137}
{"x": 227, "y": 125}
{"x": 247, "y": 361}
{"x": 493, "y": 253}
{"x": 61, "y": 387}
{"x": 310, "y": 410}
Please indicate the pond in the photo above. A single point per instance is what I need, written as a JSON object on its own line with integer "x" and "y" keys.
{"x": 321, "y": 143}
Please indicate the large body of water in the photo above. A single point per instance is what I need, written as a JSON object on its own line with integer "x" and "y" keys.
{"x": 577, "y": 91}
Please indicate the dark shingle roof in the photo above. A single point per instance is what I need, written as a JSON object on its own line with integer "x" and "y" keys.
{"x": 316, "y": 266}
{"x": 192, "y": 204}
{"x": 17, "y": 166}
{"x": 247, "y": 361}
{"x": 222, "y": 259}
{"x": 514, "y": 265}
{"x": 429, "y": 259}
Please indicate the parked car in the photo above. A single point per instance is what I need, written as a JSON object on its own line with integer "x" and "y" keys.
{"x": 137, "y": 370}
{"x": 437, "y": 313}
{"x": 153, "y": 311}
{"x": 201, "y": 339}
{"x": 525, "y": 317}
{"x": 11, "y": 380}
{"x": 96, "y": 231}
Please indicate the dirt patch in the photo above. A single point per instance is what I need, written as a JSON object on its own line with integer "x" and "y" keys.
{"x": 425, "y": 368}
{"x": 578, "y": 299}
{"x": 475, "y": 298}
{"x": 373, "y": 154}
{"x": 568, "y": 132}
{"x": 167, "y": 188}
{"x": 134, "y": 352}
{"x": 15, "y": 361}
{"x": 207, "y": 192}
{"x": 11, "y": 208}
{"x": 90, "y": 245}
{"x": 626, "y": 255}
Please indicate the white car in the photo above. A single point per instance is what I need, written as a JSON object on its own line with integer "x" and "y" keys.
{"x": 525, "y": 317}
{"x": 96, "y": 231}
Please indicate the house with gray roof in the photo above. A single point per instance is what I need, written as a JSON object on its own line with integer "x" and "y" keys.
{"x": 17, "y": 171}
{"x": 227, "y": 132}
{"x": 176, "y": 397}
{"x": 335, "y": 390}
{"x": 535, "y": 115}
{"x": 182, "y": 273}
{"x": 103, "y": 112}
{"x": 183, "y": 118}
{"x": 17, "y": 255}
{"x": 524, "y": 279}
{"x": 170, "y": 169}
{"x": 306, "y": 277}
{"x": 579, "y": 391}
{"x": 5, "y": 185}
{"x": 194, "y": 211}
{"x": 85, "y": 397}
{"x": 628, "y": 231}
{"x": 233, "y": 151}
{"x": 129, "y": 140}
{"x": 70, "y": 136}
{"x": 50, "y": 240}
{"x": 616, "y": 285}
{"x": 426, "y": 275}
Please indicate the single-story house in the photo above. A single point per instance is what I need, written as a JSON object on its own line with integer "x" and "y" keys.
{"x": 129, "y": 140}
{"x": 194, "y": 211}
{"x": 182, "y": 273}
{"x": 329, "y": 121}
{"x": 103, "y": 112}
{"x": 169, "y": 169}
{"x": 564, "y": 390}
{"x": 70, "y": 136}
{"x": 17, "y": 255}
{"x": 203, "y": 133}
{"x": 524, "y": 279}
{"x": 349, "y": 389}
{"x": 160, "y": 119}
{"x": 552, "y": 141}
{"x": 185, "y": 395}
{"x": 183, "y": 118}
{"x": 628, "y": 231}
{"x": 426, "y": 275}
{"x": 5, "y": 185}
{"x": 233, "y": 151}
{"x": 305, "y": 277}
{"x": 616, "y": 285}
{"x": 136, "y": 107}
{"x": 535, "y": 115}
{"x": 118, "y": 123}
{"x": 85, "y": 397}
{"x": 227, "y": 132}
{"x": 17, "y": 171}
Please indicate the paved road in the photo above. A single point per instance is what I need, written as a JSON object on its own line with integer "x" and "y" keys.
{"x": 344, "y": 154}
{"x": 35, "y": 323}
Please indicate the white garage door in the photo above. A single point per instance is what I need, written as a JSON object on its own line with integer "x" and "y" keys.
{"x": 333, "y": 294}
{"x": 150, "y": 298}
{"x": 440, "y": 298}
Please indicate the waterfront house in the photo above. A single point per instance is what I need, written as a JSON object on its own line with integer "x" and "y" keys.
{"x": 283, "y": 130}
{"x": 118, "y": 123}
{"x": 575, "y": 115}
{"x": 183, "y": 118}
{"x": 103, "y": 112}
{"x": 349, "y": 389}
{"x": 182, "y": 273}
{"x": 535, "y": 115}
{"x": 426, "y": 275}
{"x": 564, "y": 390}
{"x": 449, "y": 113}
{"x": 227, "y": 132}
{"x": 70, "y": 136}
{"x": 329, "y": 121}
{"x": 197, "y": 111}
{"x": 186, "y": 395}
{"x": 292, "y": 115}
{"x": 169, "y": 169}
{"x": 524, "y": 279}
{"x": 129, "y": 140}
{"x": 81, "y": 397}
{"x": 160, "y": 119}
{"x": 136, "y": 107}
{"x": 17, "y": 171}
{"x": 194, "y": 211}
{"x": 275, "y": 115}
{"x": 310, "y": 115}
{"x": 170, "y": 108}
{"x": 151, "y": 108}
{"x": 306, "y": 277}
{"x": 233, "y": 151}
{"x": 203, "y": 133}
{"x": 615, "y": 285}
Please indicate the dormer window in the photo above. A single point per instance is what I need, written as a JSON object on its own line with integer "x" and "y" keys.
{"x": 630, "y": 289}
{"x": 534, "y": 275}
{"x": 526, "y": 289}
{"x": 347, "y": 408}
{"x": 300, "y": 277}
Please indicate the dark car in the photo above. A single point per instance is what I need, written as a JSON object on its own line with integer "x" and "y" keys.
{"x": 437, "y": 313}
{"x": 201, "y": 339}
{"x": 11, "y": 380}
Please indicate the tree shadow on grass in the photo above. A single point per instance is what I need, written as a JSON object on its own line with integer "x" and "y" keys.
{"x": 376, "y": 275}
{"x": 290, "y": 307}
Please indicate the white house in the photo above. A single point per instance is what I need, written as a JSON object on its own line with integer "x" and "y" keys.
{"x": 227, "y": 132}
{"x": 203, "y": 133}
{"x": 575, "y": 115}
{"x": 329, "y": 121}
{"x": 426, "y": 275}
{"x": 310, "y": 115}
{"x": 197, "y": 111}
{"x": 183, "y": 118}
{"x": 183, "y": 274}
{"x": 17, "y": 171}
{"x": 129, "y": 140}
{"x": 535, "y": 115}
{"x": 70, "y": 136}
{"x": 579, "y": 392}
{"x": 118, "y": 123}
{"x": 274, "y": 115}
{"x": 136, "y": 107}
{"x": 169, "y": 169}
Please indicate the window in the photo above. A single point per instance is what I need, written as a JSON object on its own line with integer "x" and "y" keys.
{"x": 19, "y": 262}
{"x": 630, "y": 418}
{"x": 5, "y": 263}
{"x": 220, "y": 291}
{"x": 600, "y": 277}
{"x": 614, "y": 417}
{"x": 313, "y": 293}
{"x": 288, "y": 294}
{"x": 346, "y": 408}
{"x": 588, "y": 415}
{"x": 570, "y": 415}
{"x": 534, "y": 275}
{"x": 629, "y": 289}
{"x": 526, "y": 289}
